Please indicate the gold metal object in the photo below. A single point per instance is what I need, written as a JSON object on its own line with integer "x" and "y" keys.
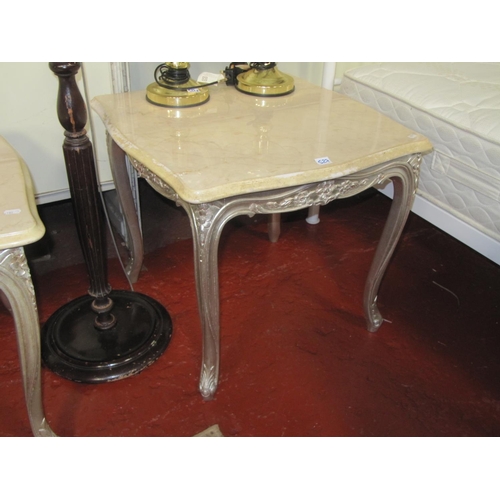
{"x": 265, "y": 82}
{"x": 181, "y": 94}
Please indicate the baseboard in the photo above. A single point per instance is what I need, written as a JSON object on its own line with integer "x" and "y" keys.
{"x": 64, "y": 194}
{"x": 470, "y": 236}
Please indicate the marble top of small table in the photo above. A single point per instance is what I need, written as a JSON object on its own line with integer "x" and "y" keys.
{"x": 19, "y": 221}
{"x": 236, "y": 143}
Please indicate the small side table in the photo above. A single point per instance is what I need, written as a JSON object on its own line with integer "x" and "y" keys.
{"x": 19, "y": 226}
{"x": 239, "y": 154}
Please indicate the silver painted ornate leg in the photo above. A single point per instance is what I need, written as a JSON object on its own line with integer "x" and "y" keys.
{"x": 404, "y": 177}
{"x": 207, "y": 221}
{"x": 207, "y": 225}
{"x": 15, "y": 282}
{"x": 122, "y": 183}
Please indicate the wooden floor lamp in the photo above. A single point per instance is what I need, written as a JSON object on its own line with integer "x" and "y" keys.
{"x": 105, "y": 335}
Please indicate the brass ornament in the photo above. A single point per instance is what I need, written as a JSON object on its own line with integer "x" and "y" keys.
{"x": 174, "y": 88}
{"x": 265, "y": 79}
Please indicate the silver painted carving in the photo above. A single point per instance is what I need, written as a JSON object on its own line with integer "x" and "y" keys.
{"x": 16, "y": 284}
{"x": 153, "y": 179}
{"x": 16, "y": 260}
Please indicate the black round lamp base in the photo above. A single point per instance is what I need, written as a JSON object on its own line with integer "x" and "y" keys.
{"x": 74, "y": 349}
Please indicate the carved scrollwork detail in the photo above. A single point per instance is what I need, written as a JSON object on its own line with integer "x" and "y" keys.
{"x": 415, "y": 162}
{"x": 145, "y": 173}
{"x": 205, "y": 215}
{"x": 14, "y": 260}
{"x": 317, "y": 194}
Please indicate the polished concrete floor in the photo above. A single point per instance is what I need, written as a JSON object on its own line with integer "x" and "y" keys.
{"x": 296, "y": 359}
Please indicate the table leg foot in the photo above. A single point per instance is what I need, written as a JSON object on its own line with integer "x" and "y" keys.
{"x": 374, "y": 319}
{"x": 208, "y": 382}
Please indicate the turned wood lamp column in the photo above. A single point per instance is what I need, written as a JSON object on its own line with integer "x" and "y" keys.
{"x": 106, "y": 335}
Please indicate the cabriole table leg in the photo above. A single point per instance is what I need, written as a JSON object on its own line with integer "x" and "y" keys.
{"x": 117, "y": 160}
{"x": 404, "y": 177}
{"x": 207, "y": 228}
{"x": 15, "y": 282}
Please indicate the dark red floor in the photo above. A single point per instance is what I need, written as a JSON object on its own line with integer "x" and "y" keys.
{"x": 296, "y": 359}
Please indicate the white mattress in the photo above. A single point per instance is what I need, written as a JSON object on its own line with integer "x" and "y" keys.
{"x": 457, "y": 106}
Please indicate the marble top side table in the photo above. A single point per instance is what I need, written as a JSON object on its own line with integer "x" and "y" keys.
{"x": 239, "y": 154}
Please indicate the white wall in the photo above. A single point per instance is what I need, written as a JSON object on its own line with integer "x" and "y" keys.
{"x": 141, "y": 73}
{"x": 28, "y": 95}
{"x": 342, "y": 67}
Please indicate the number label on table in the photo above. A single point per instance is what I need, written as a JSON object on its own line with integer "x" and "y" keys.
{"x": 323, "y": 161}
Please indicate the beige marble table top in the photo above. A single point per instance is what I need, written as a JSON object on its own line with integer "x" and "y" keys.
{"x": 236, "y": 143}
{"x": 19, "y": 220}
